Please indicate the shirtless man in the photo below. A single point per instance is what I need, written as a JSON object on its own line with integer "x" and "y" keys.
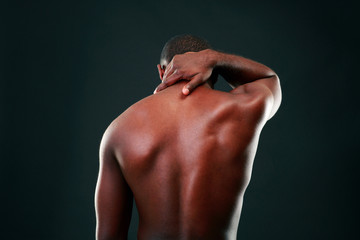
{"x": 185, "y": 153}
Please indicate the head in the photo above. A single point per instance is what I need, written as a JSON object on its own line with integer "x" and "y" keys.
{"x": 180, "y": 44}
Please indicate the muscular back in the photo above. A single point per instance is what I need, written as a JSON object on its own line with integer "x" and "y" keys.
{"x": 188, "y": 160}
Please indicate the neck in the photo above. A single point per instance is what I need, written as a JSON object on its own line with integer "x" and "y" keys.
{"x": 180, "y": 84}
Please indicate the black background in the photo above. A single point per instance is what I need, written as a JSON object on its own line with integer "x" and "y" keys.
{"x": 69, "y": 68}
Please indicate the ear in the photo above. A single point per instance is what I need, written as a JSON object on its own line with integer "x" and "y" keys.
{"x": 161, "y": 71}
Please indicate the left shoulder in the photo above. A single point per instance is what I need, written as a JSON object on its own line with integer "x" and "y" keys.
{"x": 124, "y": 130}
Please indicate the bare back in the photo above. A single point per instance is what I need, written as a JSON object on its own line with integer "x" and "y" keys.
{"x": 187, "y": 161}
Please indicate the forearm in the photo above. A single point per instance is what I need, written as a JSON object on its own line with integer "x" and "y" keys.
{"x": 237, "y": 70}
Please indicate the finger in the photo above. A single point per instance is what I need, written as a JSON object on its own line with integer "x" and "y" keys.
{"x": 168, "y": 70}
{"x": 168, "y": 82}
{"x": 173, "y": 78}
{"x": 195, "y": 82}
{"x": 160, "y": 87}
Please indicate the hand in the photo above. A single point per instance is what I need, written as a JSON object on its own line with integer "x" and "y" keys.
{"x": 196, "y": 67}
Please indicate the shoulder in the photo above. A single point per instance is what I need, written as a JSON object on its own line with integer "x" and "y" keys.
{"x": 114, "y": 139}
{"x": 126, "y": 132}
{"x": 263, "y": 95}
{"x": 132, "y": 116}
{"x": 119, "y": 127}
{"x": 257, "y": 100}
{"x": 249, "y": 109}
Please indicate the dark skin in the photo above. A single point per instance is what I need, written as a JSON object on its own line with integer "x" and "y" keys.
{"x": 185, "y": 154}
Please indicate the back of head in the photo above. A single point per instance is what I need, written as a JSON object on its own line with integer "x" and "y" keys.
{"x": 181, "y": 44}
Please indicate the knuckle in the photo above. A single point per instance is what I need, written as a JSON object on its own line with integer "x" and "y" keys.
{"x": 179, "y": 72}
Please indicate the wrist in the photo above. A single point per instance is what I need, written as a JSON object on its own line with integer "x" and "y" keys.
{"x": 213, "y": 57}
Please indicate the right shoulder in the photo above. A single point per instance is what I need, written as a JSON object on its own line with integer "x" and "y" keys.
{"x": 248, "y": 109}
{"x": 263, "y": 94}
{"x": 259, "y": 98}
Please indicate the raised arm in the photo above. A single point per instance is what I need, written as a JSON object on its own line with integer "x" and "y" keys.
{"x": 113, "y": 197}
{"x": 244, "y": 75}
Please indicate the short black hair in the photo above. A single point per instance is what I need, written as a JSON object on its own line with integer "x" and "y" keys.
{"x": 180, "y": 44}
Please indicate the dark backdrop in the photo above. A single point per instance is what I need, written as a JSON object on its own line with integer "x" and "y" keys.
{"x": 69, "y": 68}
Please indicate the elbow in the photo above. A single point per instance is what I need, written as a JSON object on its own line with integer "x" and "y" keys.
{"x": 277, "y": 95}
{"x": 278, "y": 91}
